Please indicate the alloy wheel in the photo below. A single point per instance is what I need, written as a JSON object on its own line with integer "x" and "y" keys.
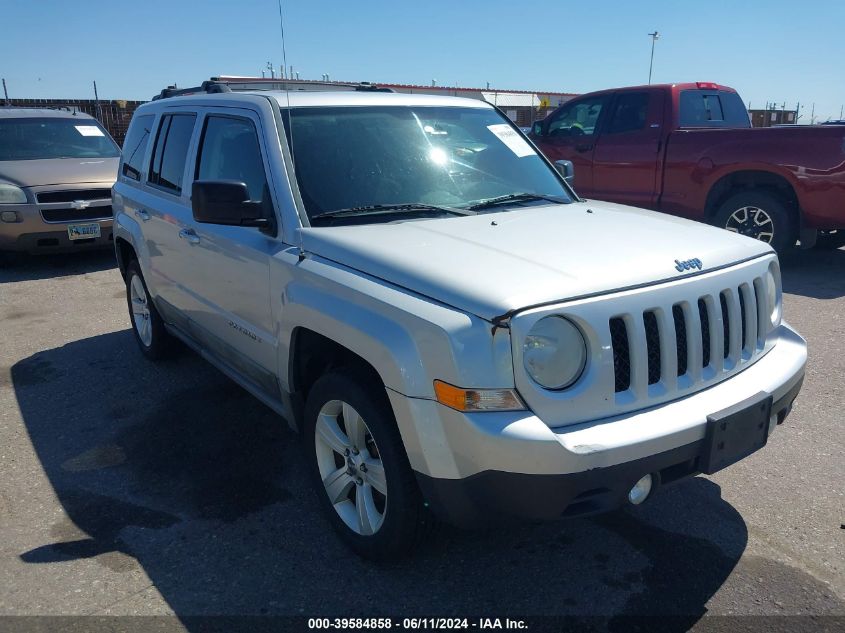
{"x": 350, "y": 467}
{"x": 752, "y": 222}
{"x": 140, "y": 310}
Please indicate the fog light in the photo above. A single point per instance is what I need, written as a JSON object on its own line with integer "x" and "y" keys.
{"x": 640, "y": 491}
{"x": 9, "y": 216}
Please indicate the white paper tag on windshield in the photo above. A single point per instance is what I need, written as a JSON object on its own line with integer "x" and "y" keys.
{"x": 514, "y": 141}
{"x": 89, "y": 130}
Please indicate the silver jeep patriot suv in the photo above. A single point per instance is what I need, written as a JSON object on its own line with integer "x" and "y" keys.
{"x": 420, "y": 293}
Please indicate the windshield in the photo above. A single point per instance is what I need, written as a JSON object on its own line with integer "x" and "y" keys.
{"x": 31, "y": 139}
{"x": 455, "y": 157}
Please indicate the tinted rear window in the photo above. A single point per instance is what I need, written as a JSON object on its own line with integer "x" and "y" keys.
{"x": 712, "y": 108}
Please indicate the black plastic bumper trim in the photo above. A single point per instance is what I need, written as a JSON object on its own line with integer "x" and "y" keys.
{"x": 492, "y": 495}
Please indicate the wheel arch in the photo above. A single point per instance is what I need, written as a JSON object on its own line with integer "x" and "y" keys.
{"x": 312, "y": 355}
{"x": 125, "y": 253}
{"x": 748, "y": 180}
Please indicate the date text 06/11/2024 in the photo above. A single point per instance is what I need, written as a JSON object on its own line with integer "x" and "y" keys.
{"x": 416, "y": 623}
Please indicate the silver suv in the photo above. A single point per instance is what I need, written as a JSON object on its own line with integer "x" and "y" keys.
{"x": 419, "y": 292}
{"x": 56, "y": 173}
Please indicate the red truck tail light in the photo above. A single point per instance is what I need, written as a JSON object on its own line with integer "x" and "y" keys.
{"x": 706, "y": 85}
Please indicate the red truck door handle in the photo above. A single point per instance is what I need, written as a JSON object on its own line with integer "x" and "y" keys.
{"x": 584, "y": 148}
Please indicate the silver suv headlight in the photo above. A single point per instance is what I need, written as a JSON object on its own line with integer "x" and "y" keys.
{"x": 10, "y": 194}
{"x": 554, "y": 352}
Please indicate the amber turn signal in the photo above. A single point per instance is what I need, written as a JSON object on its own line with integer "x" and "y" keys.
{"x": 477, "y": 399}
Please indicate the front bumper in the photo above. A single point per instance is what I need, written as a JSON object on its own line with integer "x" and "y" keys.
{"x": 471, "y": 466}
{"x": 31, "y": 234}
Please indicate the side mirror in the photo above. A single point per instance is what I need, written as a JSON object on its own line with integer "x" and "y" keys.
{"x": 537, "y": 128}
{"x": 567, "y": 170}
{"x": 226, "y": 202}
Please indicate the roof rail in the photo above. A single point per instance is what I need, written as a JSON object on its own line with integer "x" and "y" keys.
{"x": 207, "y": 87}
{"x": 366, "y": 86}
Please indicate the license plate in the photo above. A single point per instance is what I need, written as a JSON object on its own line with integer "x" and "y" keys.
{"x": 735, "y": 433}
{"x": 83, "y": 231}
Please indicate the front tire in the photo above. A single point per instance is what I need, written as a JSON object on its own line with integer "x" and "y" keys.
{"x": 359, "y": 467}
{"x": 760, "y": 215}
{"x": 147, "y": 325}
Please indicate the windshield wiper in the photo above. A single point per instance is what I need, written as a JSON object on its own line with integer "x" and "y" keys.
{"x": 514, "y": 197}
{"x": 407, "y": 207}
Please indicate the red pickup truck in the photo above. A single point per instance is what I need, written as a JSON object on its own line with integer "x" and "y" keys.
{"x": 689, "y": 149}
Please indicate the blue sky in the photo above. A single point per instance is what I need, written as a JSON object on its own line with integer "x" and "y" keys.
{"x": 772, "y": 50}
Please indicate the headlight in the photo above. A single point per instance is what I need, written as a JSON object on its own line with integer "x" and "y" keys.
{"x": 774, "y": 294}
{"x": 10, "y": 194}
{"x": 554, "y": 353}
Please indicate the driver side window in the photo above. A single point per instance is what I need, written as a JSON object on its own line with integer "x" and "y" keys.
{"x": 579, "y": 118}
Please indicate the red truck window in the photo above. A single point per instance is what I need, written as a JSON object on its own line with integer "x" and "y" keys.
{"x": 579, "y": 118}
{"x": 629, "y": 114}
{"x": 712, "y": 108}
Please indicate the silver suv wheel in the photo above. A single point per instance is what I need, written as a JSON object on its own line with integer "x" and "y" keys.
{"x": 140, "y": 310}
{"x": 350, "y": 467}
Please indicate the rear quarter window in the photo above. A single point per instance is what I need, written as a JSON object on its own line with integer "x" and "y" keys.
{"x": 712, "y": 108}
{"x": 135, "y": 146}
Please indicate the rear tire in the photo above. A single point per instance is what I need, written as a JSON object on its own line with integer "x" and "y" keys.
{"x": 359, "y": 467}
{"x": 830, "y": 240}
{"x": 147, "y": 325}
{"x": 760, "y": 215}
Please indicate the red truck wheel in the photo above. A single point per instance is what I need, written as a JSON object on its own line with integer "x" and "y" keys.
{"x": 760, "y": 215}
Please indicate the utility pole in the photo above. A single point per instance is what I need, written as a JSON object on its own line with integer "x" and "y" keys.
{"x": 840, "y": 107}
{"x": 813, "y": 115}
{"x": 654, "y": 37}
{"x": 272, "y": 71}
{"x": 5, "y": 93}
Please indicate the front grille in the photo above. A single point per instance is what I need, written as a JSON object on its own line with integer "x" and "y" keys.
{"x": 704, "y": 318}
{"x": 681, "y": 332}
{"x": 621, "y": 354}
{"x": 652, "y": 341}
{"x": 76, "y": 215}
{"x": 726, "y": 325}
{"x": 46, "y": 197}
{"x": 731, "y": 320}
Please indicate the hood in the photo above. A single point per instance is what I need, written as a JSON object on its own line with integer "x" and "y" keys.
{"x": 59, "y": 171}
{"x": 495, "y": 263}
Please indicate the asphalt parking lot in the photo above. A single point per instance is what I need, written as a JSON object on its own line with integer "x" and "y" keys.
{"x": 133, "y": 488}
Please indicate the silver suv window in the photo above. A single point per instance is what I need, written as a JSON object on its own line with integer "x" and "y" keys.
{"x": 229, "y": 150}
{"x": 171, "y": 151}
{"x": 351, "y": 157}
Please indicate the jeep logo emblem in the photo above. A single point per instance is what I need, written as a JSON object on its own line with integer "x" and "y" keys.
{"x": 688, "y": 264}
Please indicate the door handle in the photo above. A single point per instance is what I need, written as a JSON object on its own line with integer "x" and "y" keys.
{"x": 189, "y": 236}
{"x": 584, "y": 148}
{"x": 142, "y": 215}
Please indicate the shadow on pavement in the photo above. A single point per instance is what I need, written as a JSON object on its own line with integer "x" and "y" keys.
{"x": 819, "y": 274}
{"x": 23, "y": 267}
{"x": 177, "y": 467}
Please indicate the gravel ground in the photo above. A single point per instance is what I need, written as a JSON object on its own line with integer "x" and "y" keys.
{"x": 129, "y": 488}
